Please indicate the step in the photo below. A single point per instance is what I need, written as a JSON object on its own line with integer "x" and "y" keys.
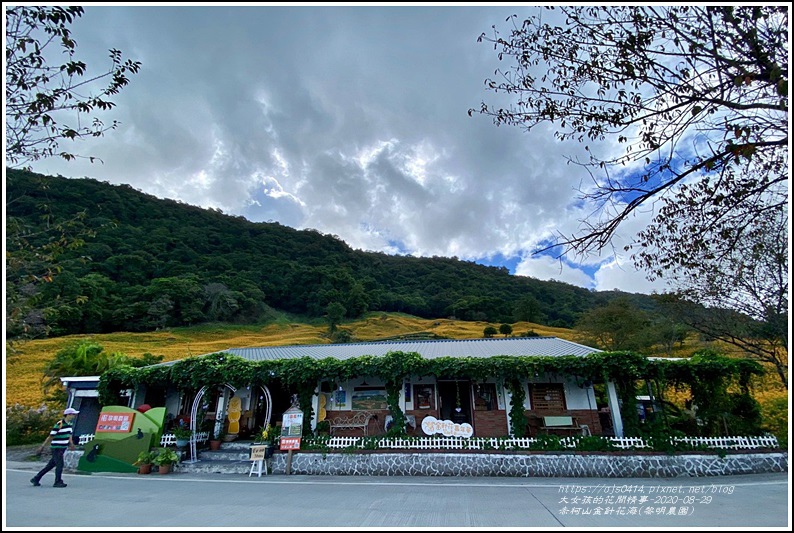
{"x": 232, "y": 458}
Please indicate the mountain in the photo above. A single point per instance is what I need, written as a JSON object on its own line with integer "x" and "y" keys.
{"x": 146, "y": 263}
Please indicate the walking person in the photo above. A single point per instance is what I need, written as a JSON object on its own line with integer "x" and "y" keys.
{"x": 60, "y": 438}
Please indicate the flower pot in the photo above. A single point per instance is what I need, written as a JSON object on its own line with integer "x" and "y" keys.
{"x": 182, "y": 443}
{"x": 215, "y": 445}
{"x": 164, "y": 469}
{"x": 145, "y": 469}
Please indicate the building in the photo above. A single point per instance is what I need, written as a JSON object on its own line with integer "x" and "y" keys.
{"x": 481, "y": 402}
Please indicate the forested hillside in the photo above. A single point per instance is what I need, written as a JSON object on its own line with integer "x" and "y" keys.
{"x": 128, "y": 261}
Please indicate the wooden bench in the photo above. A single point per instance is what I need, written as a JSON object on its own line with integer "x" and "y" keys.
{"x": 563, "y": 423}
{"x": 360, "y": 420}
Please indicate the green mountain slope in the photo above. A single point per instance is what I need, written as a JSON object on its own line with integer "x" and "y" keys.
{"x": 152, "y": 263}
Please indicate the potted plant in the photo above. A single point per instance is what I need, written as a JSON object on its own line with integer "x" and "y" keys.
{"x": 182, "y": 435}
{"x": 217, "y": 437}
{"x": 165, "y": 460}
{"x": 145, "y": 461}
{"x": 267, "y": 436}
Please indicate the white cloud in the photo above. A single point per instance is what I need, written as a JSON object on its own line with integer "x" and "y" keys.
{"x": 349, "y": 120}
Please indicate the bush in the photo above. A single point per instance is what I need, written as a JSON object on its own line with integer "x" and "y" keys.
{"x": 775, "y": 416}
{"x": 593, "y": 443}
{"x": 25, "y": 425}
{"x": 550, "y": 443}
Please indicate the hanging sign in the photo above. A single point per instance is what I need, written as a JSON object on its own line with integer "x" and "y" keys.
{"x": 290, "y": 443}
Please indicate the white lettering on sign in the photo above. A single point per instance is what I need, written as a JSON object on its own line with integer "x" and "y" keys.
{"x": 431, "y": 426}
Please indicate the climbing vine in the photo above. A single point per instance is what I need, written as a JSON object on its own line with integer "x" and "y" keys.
{"x": 708, "y": 374}
{"x": 518, "y": 421}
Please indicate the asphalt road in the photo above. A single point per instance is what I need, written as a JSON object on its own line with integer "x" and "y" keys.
{"x": 217, "y": 501}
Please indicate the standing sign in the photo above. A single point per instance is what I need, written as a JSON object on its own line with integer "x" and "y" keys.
{"x": 291, "y": 429}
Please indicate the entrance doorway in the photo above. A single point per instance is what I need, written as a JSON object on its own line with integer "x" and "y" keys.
{"x": 454, "y": 395}
{"x": 280, "y": 397}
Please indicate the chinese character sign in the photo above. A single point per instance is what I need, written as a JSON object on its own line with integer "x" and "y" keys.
{"x": 290, "y": 443}
{"x": 115, "y": 422}
{"x": 292, "y": 424}
{"x": 431, "y": 425}
{"x": 291, "y": 429}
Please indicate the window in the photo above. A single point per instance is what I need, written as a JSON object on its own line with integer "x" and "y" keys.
{"x": 548, "y": 397}
{"x": 424, "y": 397}
{"x": 485, "y": 397}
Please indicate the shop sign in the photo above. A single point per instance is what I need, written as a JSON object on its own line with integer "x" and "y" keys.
{"x": 290, "y": 443}
{"x": 114, "y": 422}
{"x": 431, "y": 426}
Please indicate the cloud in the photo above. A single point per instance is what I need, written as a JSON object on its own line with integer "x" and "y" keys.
{"x": 349, "y": 120}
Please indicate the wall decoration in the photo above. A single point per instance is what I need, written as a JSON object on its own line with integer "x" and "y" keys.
{"x": 369, "y": 398}
{"x": 340, "y": 398}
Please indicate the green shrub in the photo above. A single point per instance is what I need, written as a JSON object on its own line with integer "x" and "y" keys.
{"x": 25, "y": 425}
{"x": 552, "y": 443}
{"x": 775, "y": 416}
{"x": 594, "y": 443}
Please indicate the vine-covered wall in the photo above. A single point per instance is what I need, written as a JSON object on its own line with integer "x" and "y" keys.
{"x": 707, "y": 374}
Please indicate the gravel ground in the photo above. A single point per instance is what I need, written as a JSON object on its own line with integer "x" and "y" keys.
{"x": 26, "y": 453}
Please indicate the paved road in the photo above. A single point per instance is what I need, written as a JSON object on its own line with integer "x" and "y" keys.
{"x": 179, "y": 500}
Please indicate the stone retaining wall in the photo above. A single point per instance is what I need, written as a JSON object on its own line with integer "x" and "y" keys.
{"x": 534, "y": 465}
{"x": 563, "y": 464}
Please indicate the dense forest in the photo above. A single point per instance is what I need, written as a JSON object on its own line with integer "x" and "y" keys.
{"x": 128, "y": 261}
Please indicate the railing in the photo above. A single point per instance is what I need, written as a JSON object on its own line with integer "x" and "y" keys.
{"x": 494, "y": 443}
{"x": 525, "y": 443}
{"x": 167, "y": 439}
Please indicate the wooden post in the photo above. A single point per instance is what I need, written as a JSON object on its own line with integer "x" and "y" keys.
{"x": 289, "y": 463}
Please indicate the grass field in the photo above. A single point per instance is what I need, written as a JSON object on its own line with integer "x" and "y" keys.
{"x": 24, "y": 371}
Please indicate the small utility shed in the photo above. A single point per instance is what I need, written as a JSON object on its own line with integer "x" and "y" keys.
{"x": 82, "y": 394}
{"x": 484, "y": 403}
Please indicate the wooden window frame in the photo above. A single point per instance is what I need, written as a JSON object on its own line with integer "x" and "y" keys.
{"x": 538, "y": 401}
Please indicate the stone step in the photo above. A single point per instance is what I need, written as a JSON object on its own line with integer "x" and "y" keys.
{"x": 225, "y": 455}
{"x": 220, "y": 466}
{"x": 232, "y": 458}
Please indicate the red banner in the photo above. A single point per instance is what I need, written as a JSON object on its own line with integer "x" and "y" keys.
{"x": 290, "y": 443}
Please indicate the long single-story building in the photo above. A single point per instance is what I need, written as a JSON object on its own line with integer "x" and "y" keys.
{"x": 553, "y": 403}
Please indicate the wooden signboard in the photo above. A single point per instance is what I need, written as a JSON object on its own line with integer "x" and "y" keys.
{"x": 257, "y": 453}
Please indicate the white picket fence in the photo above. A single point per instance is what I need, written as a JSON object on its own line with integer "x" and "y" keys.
{"x": 525, "y": 443}
{"x": 166, "y": 440}
{"x": 486, "y": 443}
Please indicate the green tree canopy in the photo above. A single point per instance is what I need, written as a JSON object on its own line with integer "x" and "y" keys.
{"x": 39, "y": 95}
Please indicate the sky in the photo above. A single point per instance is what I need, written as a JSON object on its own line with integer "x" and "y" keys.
{"x": 350, "y": 120}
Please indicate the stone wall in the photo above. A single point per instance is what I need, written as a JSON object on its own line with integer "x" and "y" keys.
{"x": 514, "y": 464}
{"x": 569, "y": 464}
